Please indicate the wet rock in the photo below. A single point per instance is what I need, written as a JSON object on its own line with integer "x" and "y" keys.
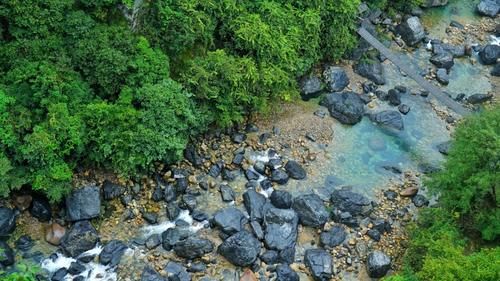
{"x": 285, "y": 273}
{"x": 7, "y": 221}
{"x": 479, "y": 98}
{"x": 54, "y": 233}
{"x": 188, "y": 202}
{"x": 388, "y": 118}
{"x": 229, "y": 220}
{"x": 199, "y": 216}
{"x": 260, "y": 167}
{"x": 348, "y": 201}
{"x": 193, "y": 156}
{"x": 59, "y": 274}
{"x": 151, "y": 218}
{"x": 81, "y": 237}
{"x": 319, "y": 263}
{"x": 172, "y": 211}
{"x": 149, "y": 274}
{"x": 252, "y": 175}
{"x": 254, "y": 203}
{"x": 311, "y": 210}
{"x": 281, "y": 199}
{"x": 382, "y": 225}
{"x": 345, "y": 218}
{"x": 83, "y": 203}
{"x": 336, "y": 78}
{"x": 443, "y": 60}
{"x": 442, "y": 76}
{"x": 279, "y": 176}
{"x": 6, "y": 254}
{"x": 280, "y": 228}
{"x": 226, "y": 193}
{"x": 310, "y": 87}
{"x": 270, "y": 257}
{"x": 193, "y": 247}
{"x": 40, "y": 209}
{"x": 197, "y": 267}
{"x": 23, "y": 202}
{"x": 434, "y": 3}
{"x": 111, "y": 190}
{"x": 76, "y": 268}
{"x": 333, "y": 237}
{"x": 456, "y": 24}
{"x": 240, "y": 249}
{"x": 152, "y": 241}
{"x": 181, "y": 185}
{"x": 444, "y": 147}
{"x": 177, "y": 272}
{"x": 419, "y": 201}
{"x": 257, "y": 230}
{"x": 346, "y": 107}
{"x": 238, "y": 159}
{"x": 411, "y": 31}
{"x": 496, "y": 70}
{"x": 24, "y": 243}
{"x": 488, "y": 8}
{"x": 238, "y": 138}
{"x": 455, "y": 50}
{"x": 391, "y": 195}
{"x": 112, "y": 253}
{"x": 374, "y": 234}
{"x": 394, "y": 97}
{"x": 295, "y": 170}
{"x": 404, "y": 109}
{"x": 169, "y": 194}
{"x": 372, "y": 70}
{"x": 171, "y": 236}
{"x": 378, "y": 264}
{"x": 228, "y": 175}
{"x": 215, "y": 170}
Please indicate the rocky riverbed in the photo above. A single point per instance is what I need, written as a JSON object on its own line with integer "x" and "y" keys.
{"x": 320, "y": 189}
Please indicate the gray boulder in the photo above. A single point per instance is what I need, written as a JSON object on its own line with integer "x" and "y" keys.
{"x": 411, "y": 31}
{"x": 496, "y": 70}
{"x": 285, "y": 273}
{"x": 177, "y": 272}
{"x": 240, "y": 249}
{"x": 281, "y": 228}
{"x": 488, "y": 8}
{"x": 230, "y": 220}
{"x": 83, "y": 203}
{"x": 443, "y": 60}
{"x": 378, "y": 264}
{"x": 479, "y": 98}
{"x": 295, "y": 170}
{"x": 388, "y": 118}
{"x": 347, "y": 107}
{"x": 442, "y": 76}
{"x": 348, "y": 201}
{"x": 112, "y": 253}
{"x": 319, "y": 263}
{"x": 193, "y": 247}
{"x": 80, "y": 238}
{"x": 254, "y": 203}
{"x": 311, "y": 210}
{"x": 310, "y": 87}
{"x": 372, "y": 70}
{"x": 336, "y": 78}
{"x": 333, "y": 237}
{"x": 489, "y": 54}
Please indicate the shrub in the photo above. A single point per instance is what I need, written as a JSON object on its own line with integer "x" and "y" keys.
{"x": 469, "y": 180}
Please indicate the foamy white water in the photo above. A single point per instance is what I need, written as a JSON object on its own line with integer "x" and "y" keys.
{"x": 184, "y": 215}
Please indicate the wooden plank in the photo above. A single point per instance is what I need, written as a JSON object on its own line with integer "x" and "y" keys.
{"x": 426, "y": 85}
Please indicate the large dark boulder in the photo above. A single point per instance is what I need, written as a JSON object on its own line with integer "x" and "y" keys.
{"x": 40, "y": 209}
{"x": 171, "y": 236}
{"x": 229, "y": 220}
{"x": 254, "y": 203}
{"x": 83, "y": 203}
{"x": 310, "y": 87}
{"x": 348, "y": 201}
{"x": 456, "y": 51}
{"x": 489, "y": 54}
{"x": 80, "y": 238}
{"x": 7, "y": 221}
{"x": 391, "y": 119}
{"x": 281, "y": 228}
{"x": 281, "y": 199}
{"x": 336, "y": 78}
{"x": 333, "y": 237}
{"x": 311, "y": 210}
{"x": 488, "y": 8}
{"x": 6, "y": 254}
{"x": 295, "y": 170}
{"x": 347, "y": 107}
{"x": 112, "y": 253}
{"x": 279, "y": 176}
{"x": 149, "y": 274}
{"x": 240, "y": 249}
{"x": 319, "y": 263}
{"x": 372, "y": 70}
{"x": 378, "y": 264}
{"x": 285, "y": 273}
{"x": 443, "y": 60}
{"x": 111, "y": 190}
{"x": 193, "y": 247}
{"x": 411, "y": 31}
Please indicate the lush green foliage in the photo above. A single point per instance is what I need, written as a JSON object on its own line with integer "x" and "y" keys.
{"x": 469, "y": 182}
{"x": 25, "y": 272}
{"x": 99, "y": 83}
{"x": 437, "y": 251}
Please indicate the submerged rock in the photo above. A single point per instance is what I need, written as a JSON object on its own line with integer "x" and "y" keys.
{"x": 112, "y": 253}
{"x": 149, "y": 274}
{"x": 281, "y": 228}
{"x": 295, "y": 170}
{"x": 411, "y": 31}
{"x": 311, "y": 210}
{"x": 111, "y": 190}
{"x": 6, "y": 254}
{"x": 310, "y": 87}
{"x": 81, "y": 237}
{"x": 193, "y": 247}
{"x": 443, "y": 60}
{"x": 319, "y": 263}
{"x": 479, "y": 98}
{"x": 444, "y": 147}
{"x": 7, "y": 221}
{"x": 378, "y": 264}
{"x": 240, "y": 249}
{"x": 388, "y": 118}
{"x": 372, "y": 70}
{"x": 490, "y": 54}
{"x": 83, "y": 203}
{"x": 336, "y": 78}
{"x": 488, "y": 8}
{"x": 346, "y": 107}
